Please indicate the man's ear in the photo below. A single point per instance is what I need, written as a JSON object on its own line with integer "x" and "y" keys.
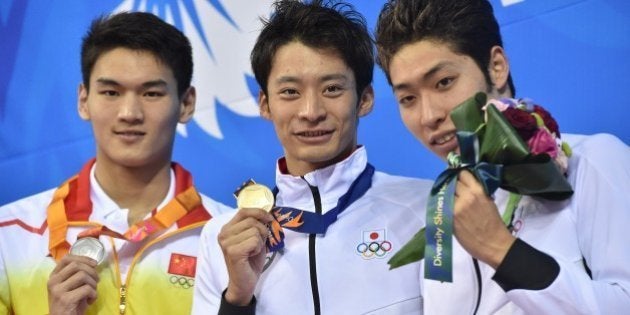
{"x": 263, "y": 105}
{"x": 366, "y": 101}
{"x": 187, "y": 105}
{"x": 499, "y": 68}
{"x": 82, "y": 107}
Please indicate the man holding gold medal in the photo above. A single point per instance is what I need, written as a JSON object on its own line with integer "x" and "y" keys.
{"x": 334, "y": 222}
{"x": 121, "y": 236}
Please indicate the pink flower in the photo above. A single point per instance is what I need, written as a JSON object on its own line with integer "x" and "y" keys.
{"x": 543, "y": 142}
{"x": 501, "y": 106}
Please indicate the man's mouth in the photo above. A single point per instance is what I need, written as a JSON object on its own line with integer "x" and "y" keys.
{"x": 444, "y": 139}
{"x": 314, "y": 133}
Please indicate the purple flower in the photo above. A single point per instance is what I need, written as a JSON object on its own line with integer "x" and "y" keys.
{"x": 509, "y": 101}
{"x": 526, "y": 104}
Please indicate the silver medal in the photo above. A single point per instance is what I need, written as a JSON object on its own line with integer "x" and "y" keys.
{"x": 89, "y": 247}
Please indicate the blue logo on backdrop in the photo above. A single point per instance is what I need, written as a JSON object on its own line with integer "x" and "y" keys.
{"x": 222, "y": 35}
{"x": 555, "y": 60}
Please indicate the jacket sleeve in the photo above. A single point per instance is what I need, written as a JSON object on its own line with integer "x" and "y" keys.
{"x": 211, "y": 277}
{"x": 5, "y": 296}
{"x": 600, "y": 175}
{"x": 229, "y": 309}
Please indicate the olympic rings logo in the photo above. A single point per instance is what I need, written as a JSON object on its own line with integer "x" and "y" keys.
{"x": 374, "y": 249}
{"x": 182, "y": 282}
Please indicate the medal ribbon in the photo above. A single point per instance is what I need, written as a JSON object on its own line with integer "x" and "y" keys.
{"x": 311, "y": 222}
{"x": 169, "y": 214}
{"x": 185, "y": 202}
{"x": 438, "y": 251}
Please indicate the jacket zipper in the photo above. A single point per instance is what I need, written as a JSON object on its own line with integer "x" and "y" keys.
{"x": 311, "y": 253}
{"x": 122, "y": 306}
{"x": 478, "y": 274}
{"x": 123, "y": 299}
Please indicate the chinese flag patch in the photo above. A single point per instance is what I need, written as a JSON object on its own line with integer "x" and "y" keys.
{"x": 182, "y": 265}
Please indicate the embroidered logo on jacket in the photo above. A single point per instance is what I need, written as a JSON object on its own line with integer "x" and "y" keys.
{"x": 182, "y": 269}
{"x": 374, "y": 245}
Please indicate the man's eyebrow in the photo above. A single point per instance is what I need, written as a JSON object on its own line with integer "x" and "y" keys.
{"x": 427, "y": 75}
{"x": 154, "y": 83}
{"x": 328, "y": 77}
{"x": 148, "y": 84}
{"x": 287, "y": 79}
{"x": 439, "y": 66}
{"x": 334, "y": 76}
{"x": 106, "y": 81}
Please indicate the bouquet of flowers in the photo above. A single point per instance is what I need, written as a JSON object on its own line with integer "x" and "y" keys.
{"x": 507, "y": 143}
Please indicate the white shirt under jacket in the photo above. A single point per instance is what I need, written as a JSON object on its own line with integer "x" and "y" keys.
{"x": 591, "y": 228}
{"x": 392, "y": 210}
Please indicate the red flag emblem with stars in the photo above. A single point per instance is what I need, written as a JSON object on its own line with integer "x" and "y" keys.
{"x": 182, "y": 265}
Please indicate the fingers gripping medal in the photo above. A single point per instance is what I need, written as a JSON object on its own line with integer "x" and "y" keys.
{"x": 89, "y": 247}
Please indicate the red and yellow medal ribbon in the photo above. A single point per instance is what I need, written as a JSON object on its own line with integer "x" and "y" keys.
{"x": 186, "y": 208}
{"x": 58, "y": 222}
{"x": 178, "y": 207}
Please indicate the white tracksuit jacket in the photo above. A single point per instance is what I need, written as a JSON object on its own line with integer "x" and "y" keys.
{"x": 346, "y": 281}
{"x": 587, "y": 229}
{"x": 556, "y": 241}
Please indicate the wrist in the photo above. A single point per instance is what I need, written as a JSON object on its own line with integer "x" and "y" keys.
{"x": 498, "y": 249}
{"x": 236, "y": 298}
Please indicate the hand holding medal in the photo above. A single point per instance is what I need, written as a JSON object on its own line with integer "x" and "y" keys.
{"x": 72, "y": 285}
{"x": 244, "y": 240}
{"x": 257, "y": 196}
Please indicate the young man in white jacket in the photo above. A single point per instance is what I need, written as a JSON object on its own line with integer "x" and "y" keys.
{"x": 564, "y": 257}
{"x": 314, "y": 65}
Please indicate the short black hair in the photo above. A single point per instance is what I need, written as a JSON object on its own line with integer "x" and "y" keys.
{"x": 317, "y": 24}
{"x": 468, "y": 27}
{"x": 143, "y": 32}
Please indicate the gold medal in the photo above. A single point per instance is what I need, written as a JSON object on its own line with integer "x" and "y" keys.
{"x": 254, "y": 195}
{"x": 89, "y": 247}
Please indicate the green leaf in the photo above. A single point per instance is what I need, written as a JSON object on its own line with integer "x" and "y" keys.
{"x": 538, "y": 176}
{"x": 411, "y": 252}
{"x": 467, "y": 116}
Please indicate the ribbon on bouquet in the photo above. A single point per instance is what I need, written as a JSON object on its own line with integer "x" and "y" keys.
{"x": 439, "y": 228}
{"x": 494, "y": 152}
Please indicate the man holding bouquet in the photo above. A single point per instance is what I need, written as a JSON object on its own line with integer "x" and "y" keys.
{"x": 512, "y": 252}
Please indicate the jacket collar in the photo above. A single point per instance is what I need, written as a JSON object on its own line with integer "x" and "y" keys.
{"x": 332, "y": 182}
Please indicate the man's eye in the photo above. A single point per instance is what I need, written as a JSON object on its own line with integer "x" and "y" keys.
{"x": 154, "y": 94}
{"x": 109, "y": 93}
{"x": 289, "y": 92}
{"x": 444, "y": 83}
{"x": 406, "y": 100}
{"x": 333, "y": 88}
